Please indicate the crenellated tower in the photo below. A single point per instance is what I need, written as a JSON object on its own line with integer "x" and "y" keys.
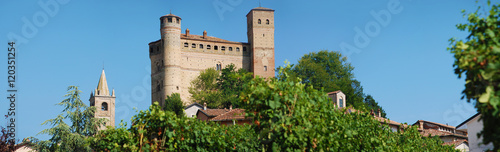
{"x": 260, "y": 32}
{"x": 104, "y": 102}
{"x": 166, "y": 59}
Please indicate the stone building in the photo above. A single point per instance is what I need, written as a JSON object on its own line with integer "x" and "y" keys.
{"x": 104, "y": 102}
{"x": 177, "y": 58}
{"x": 448, "y": 134}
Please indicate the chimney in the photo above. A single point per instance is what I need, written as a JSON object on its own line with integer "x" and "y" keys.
{"x": 204, "y": 106}
{"x": 204, "y": 34}
{"x": 230, "y": 107}
{"x": 187, "y": 32}
{"x": 379, "y": 114}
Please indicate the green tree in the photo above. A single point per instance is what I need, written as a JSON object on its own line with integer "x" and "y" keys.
{"x": 70, "y": 137}
{"x": 330, "y": 71}
{"x": 219, "y": 90}
{"x": 371, "y": 104}
{"x": 230, "y": 83}
{"x": 478, "y": 57}
{"x": 204, "y": 88}
{"x": 174, "y": 103}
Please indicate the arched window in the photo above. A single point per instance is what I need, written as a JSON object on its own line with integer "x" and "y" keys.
{"x": 186, "y": 44}
{"x": 216, "y": 47}
{"x": 178, "y": 21}
{"x": 244, "y": 49}
{"x": 218, "y": 67}
{"x": 208, "y": 47}
{"x": 104, "y": 106}
{"x": 259, "y": 21}
{"x": 170, "y": 20}
{"x": 201, "y": 46}
{"x": 237, "y": 49}
{"x": 265, "y": 68}
{"x": 223, "y": 48}
{"x": 267, "y": 21}
{"x": 193, "y": 45}
{"x": 230, "y": 48}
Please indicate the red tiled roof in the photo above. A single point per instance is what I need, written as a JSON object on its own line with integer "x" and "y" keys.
{"x": 206, "y": 38}
{"x": 214, "y": 112}
{"x": 334, "y": 92}
{"x": 434, "y": 132}
{"x": 456, "y": 143}
{"x": 388, "y": 121}
{"x": 235, "y": 114}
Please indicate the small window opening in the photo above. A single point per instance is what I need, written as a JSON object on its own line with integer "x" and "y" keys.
{"x": 223, "y": 48}
{"x": 178, "y": 21}
{"x": 216, "y": 47}
{"x": 208, "y": 47}
{"x": 244, "y": 49}
{"x": 237, "y": 49}
{"x": 193, "y": 45}
{"x": 218, "y": 67}
{"x": 267, "y": 21}
{"x": 265, "y": 68}
{"x": 201, "y": 46}
{"x": 186, "y": 44}
{"x": 230, "y": 48}
{"x": 170, "y": 20}
{"x": 259, "y": 21}
{"x": 104, "y": 106}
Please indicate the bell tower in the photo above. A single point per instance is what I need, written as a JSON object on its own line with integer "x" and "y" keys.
{"x": 104, "y": 102}
{"x": 260, "y": 32}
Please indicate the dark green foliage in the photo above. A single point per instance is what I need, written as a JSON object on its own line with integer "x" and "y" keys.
{"x": 329, "y": 71}
{"x": 219, "y": 90}
{"x": 478, "y": 57}
{"x": 174, "y": 103}
{"x": 74, "y": 137}
{"x": 290, "y": 116}
{"x": 372, "y": 105}
{"x": 230, "y": 83}
{"x": 5, "y": 143}
{"x": 157, "y": 130}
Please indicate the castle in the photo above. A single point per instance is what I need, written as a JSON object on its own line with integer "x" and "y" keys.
{"x": 177, "y": 59}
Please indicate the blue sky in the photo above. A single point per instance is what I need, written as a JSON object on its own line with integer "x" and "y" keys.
{"x": 401, "y": 61}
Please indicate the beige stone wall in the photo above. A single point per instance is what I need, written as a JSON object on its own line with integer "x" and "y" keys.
{"x": 109, "y": 114}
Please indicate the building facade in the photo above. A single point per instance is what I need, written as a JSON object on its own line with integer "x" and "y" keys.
{"x": 104, "y": 101}
{"x": 177, "y": 58}
{"x": 473, "y": 126}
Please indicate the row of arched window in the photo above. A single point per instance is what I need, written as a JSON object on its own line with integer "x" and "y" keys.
{"x": 260, "y": 21}
{"x": 223, "y": 48}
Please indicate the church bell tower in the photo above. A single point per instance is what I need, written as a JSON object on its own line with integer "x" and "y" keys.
{"x": 104, "y": 102}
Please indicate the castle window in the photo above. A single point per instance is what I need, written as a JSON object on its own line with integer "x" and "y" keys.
{"x": 186, "y": 44}
{"x": 150, "y": 49}
{"x": 237, "y": 49}
{"x": 267, "y": 21}
{"x": 170, "y": 20}
{"x": 201, "y": 46}
{"x": 230, "y": 48}
{"x": 259, "y": 21}
{"x": 178, "y": 21}
{"x": 218, "y": 67}
{"x": 208, "y": 47}
{"x": 193, "y": 45}
{"x": 104, "y": 106}
{"x": 216, "y": 47}
{"x": 223, "y": 48}
{"x": 265, "y": 68}
{"x": 244, "y": 49}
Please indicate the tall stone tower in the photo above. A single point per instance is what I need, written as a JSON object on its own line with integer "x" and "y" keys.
{"x": 166, "y": 61}
{"x": 260, "y": 31}
{"x": 104, "y": 102}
